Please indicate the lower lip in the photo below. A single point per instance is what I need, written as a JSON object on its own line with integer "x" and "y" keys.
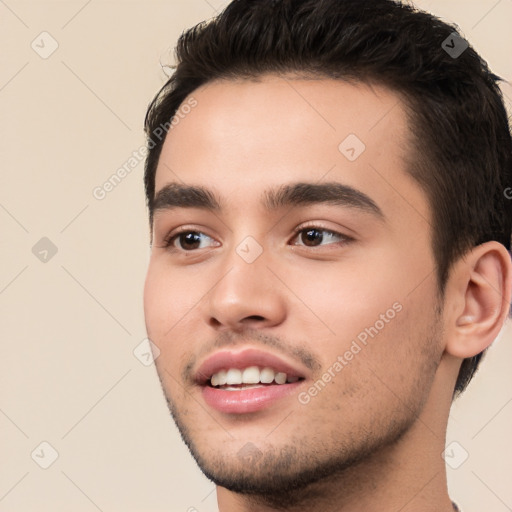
{"x": 247, "y": 400}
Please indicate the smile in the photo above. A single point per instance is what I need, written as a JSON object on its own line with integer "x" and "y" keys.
{"x": 248, "y": 380}
{"x": 250, "y": 377}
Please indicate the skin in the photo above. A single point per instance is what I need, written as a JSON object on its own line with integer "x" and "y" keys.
{"x": 372, "y": 438}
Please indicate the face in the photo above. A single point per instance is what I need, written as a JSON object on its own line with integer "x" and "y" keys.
{"x": 303, "y": 248}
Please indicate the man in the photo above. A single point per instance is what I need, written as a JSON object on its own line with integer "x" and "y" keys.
{"x": 330, "y": 249}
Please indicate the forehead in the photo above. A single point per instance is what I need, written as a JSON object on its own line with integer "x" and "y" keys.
{"x": 245, "y": 136}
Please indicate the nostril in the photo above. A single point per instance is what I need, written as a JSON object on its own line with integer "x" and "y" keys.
{"x": 214, "y": 322}
{"x": 239, "y": 324}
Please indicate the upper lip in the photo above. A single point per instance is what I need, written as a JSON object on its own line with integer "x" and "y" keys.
{"x": 225, "y": 359}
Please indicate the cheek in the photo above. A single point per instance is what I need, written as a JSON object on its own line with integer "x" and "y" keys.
{"x": 370, "y": 313}
{"x": 169, "y": 302}
{"x": 156, "y": 301}
{"x": 372, "y": 370}
{"x": 342, "y": 300}
{"x": 168, "y": 297}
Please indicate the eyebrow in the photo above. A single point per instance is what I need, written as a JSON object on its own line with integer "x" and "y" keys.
{"x": 177, "y": 195}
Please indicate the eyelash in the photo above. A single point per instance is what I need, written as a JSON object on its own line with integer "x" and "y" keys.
{"x": 168, "y": 242}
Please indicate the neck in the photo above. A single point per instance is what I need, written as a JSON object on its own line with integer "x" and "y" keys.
{"x": 408, "y": 476}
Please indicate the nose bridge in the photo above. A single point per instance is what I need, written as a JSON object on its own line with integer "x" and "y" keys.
{"x": 246, "y": 288}
{"x": 246, "y": 274}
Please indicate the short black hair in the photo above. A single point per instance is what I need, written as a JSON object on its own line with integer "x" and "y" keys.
{"x": 462, "y": 145}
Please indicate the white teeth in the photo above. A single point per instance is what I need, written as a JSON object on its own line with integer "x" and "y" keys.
{"x": 234, "y": 376}
{"x": 220, "y": 378}
{"x": 267, "y": 375}
{"x": 280, "y": 378}
{"x": 250, "y": 375}
{"x": 243, "y": 386}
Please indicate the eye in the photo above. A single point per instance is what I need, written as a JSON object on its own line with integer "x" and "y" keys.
{"x": 315, "y": 236}
{"x": 188, "y": 241}
{"x": 311, "y": 236}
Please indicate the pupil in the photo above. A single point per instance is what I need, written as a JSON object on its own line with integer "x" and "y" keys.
{"x": 191, "y": 238}
{"x": 312, "y": 236}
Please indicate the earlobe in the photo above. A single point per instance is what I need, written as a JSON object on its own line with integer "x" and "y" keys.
{"x": 481, "y": 288}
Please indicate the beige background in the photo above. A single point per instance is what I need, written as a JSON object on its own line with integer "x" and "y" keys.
{"x": 69, "y": 326}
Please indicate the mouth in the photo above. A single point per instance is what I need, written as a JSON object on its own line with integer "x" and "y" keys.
{"x": 235, "y": 379}
{"x": 246, "y": 381}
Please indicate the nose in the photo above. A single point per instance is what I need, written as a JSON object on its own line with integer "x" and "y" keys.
{"x": 247, "y": 296}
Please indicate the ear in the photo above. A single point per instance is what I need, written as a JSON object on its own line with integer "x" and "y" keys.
{"x": 477, "y": 299}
